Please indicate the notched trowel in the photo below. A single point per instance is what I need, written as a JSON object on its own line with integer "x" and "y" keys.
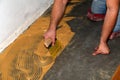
{"x": 53, "y": 50}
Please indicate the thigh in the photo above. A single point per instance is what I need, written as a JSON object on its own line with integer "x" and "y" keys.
{"x": 98, "y": 6}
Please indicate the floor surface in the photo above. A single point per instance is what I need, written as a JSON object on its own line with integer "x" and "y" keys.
{"x": 76, "y": 61}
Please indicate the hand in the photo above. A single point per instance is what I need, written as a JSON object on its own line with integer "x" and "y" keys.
{"x": 50, "y": 34}
{"x": 101, "y": 49}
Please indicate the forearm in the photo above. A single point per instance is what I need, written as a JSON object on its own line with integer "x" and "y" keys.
{"x": 57, "y": 12}
{"x": 110, "y": 19}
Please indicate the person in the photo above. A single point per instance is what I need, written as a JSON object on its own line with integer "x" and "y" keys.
{"x": 97, "y": 13}
{"x": 109, "y": 23}
{"x": 109, "y": 9}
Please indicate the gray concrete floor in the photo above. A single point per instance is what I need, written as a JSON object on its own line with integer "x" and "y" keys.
{"x": 76, "y": 61}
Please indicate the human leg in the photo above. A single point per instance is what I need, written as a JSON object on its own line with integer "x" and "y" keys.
{"x": 97, "y": 10}
{"x": 98, "y": 7}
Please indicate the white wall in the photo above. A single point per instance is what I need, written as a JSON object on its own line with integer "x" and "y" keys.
{"x": 16, "y": 16}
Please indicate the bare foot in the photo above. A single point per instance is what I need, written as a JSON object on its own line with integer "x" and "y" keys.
{"x": 102, "y": 49}
{"x": 114, "y": 35}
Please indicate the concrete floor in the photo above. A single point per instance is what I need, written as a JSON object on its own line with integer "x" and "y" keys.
{"x": 76, "y": 61}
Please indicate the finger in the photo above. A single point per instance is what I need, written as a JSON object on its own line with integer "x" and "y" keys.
{"x": 99, "y": 52}
{"x": 44, "y": 36}
{"x": 53, "y": 42}
{"x": 95, "y": 53}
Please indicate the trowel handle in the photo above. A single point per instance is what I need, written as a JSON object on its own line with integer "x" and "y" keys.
{"x": 47, "y": 42}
